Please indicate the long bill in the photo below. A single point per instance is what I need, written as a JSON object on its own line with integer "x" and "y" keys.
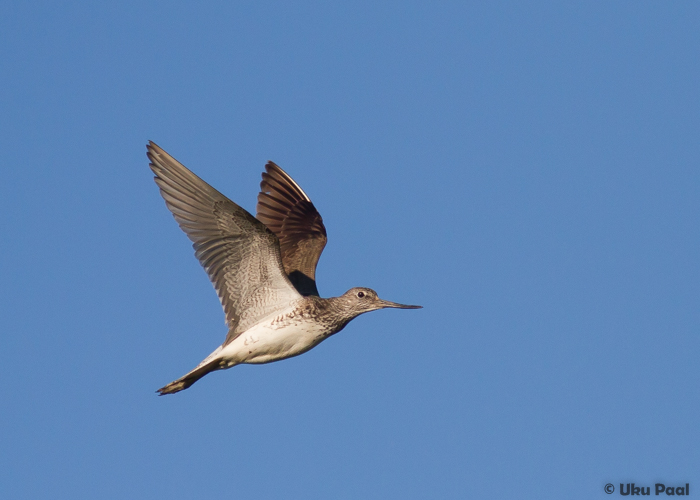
{"x": 394, "y": 305}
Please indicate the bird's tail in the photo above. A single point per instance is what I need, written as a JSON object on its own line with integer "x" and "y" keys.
{"x": 210, "y": 364}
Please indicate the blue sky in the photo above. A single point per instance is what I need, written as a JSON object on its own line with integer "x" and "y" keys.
{"x": 528, "y": 172}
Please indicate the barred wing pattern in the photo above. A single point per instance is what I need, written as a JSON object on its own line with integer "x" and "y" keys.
{"x": 240, "y": 255}
{"x": 286, "y": 210}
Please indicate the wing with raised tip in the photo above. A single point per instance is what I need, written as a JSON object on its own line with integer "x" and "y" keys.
{"x": 286, "y": 210}
{"x": 240, "y": 255}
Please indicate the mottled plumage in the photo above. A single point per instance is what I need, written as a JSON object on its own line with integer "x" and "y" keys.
{"x": 262, "y": 269}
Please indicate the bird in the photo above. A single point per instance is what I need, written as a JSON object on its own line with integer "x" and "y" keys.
{"x": 262, "y": 268}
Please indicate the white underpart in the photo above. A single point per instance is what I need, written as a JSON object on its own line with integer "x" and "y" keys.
{"x": 266, "y": 342}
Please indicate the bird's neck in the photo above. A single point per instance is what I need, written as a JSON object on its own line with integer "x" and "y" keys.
{"x": 332, "y": 312}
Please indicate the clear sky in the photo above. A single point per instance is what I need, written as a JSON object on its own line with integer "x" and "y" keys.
{"x": 528, "y": 172}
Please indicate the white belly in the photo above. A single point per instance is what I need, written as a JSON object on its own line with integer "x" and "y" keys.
{"x": 263, "y": 343}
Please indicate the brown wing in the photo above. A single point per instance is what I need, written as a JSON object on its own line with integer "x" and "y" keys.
{"x": 286, "y": 210}
{"x": 240, "y": 255}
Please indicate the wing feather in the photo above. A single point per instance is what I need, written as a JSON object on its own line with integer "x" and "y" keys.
{"x": 288, "y": 212}
{"x": 240, "y": 255}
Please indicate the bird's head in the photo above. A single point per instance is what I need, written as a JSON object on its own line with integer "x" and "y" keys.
{"x": 361, "y": 300}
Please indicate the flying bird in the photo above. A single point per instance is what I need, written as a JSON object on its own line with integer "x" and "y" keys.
{"x": 263, "y": 268}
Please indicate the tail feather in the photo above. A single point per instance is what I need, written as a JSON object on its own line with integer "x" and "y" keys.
{"x": 187, "y": 380}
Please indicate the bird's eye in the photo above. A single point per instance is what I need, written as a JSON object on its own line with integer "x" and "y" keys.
{"x": 360, "y": 294}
